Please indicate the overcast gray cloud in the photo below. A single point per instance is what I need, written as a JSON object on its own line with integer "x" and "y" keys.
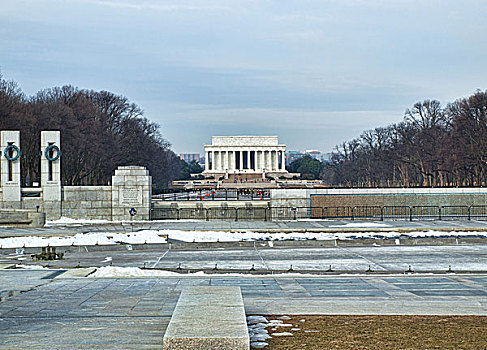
{"x": 315, "y": 73}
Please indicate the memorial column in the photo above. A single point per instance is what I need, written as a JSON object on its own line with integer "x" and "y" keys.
{"x": 230, "y": 156}
{"x": 248, "y": 159}
{"x": 277, "y": 160}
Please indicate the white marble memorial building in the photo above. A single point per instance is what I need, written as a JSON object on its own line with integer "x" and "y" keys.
{"x": 244, "y": 155}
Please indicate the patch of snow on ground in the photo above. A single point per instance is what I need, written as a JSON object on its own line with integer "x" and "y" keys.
{"x": 229, "y": 236}
{"x": 115, "y": 271}
{"x": 94, "y": 238}
{"x": 68, "y": 221}
{"x": 258, "y": 333}
{"x": 154, "y": 236}
{"x": 30, "y": 267}
{"x": 360, "y": 225}
{"x": 120, "y": 272}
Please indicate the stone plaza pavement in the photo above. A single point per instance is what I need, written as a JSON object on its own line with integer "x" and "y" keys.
{"x": 54, "y": 229}
{"x": 266, "y": 259}
{"x": 64, "y": 313}
{"x": 54, "y": 309}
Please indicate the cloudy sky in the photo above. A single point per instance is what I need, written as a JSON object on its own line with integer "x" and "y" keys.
{"x": 313, "y": 72}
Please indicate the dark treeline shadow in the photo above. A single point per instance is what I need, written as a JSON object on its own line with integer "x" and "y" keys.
{"x": 432, "y": 146}
{"x": 99, "y": 131}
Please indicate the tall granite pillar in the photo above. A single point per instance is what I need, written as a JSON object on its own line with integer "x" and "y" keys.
{"x": 51, "y": 173}
{"x": 10, "y": 169}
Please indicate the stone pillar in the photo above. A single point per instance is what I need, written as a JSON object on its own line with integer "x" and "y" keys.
{"x": 10, "y": 170}
{"x": 227, "y": 156}
{"x": 212, "y": 160}
{"x": 248, "y": 159}
{"x": 283, "y": 160}
{"x": 207, "y": 160}
{"x": 241, "y": 160}
{"x": 51, "y": 174}
{"x": 131, "y": 188}
{"x": 268, "y": 160}
{"x": 277, "y": 160}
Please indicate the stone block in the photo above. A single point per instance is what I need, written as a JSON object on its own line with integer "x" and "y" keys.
{"x": 70, "y": 204}
{"x": 105, "y": 195}
{"x": 106, "y": 204}
{"x": 118, "y": 180}
{"x": 130, "y": 181}
{"x": 208, "y": 318}
{"x": 90, "y": 195}
{"x": 119, "y": 211}
{"x": 122, "y": 172}
{"x": 31, "y": 202}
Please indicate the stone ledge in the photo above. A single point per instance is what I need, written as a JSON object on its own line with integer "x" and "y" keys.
{"x": 208, "y": 318}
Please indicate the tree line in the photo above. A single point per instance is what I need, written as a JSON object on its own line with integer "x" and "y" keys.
{"x": 99, "y": 131}
{"x": 431, "y": 146}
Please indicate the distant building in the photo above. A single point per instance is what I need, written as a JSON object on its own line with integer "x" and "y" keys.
{"x": 189, "y": 157}
{"x": 314, "y": 153}
{"x": 291, "y": 156}
{"x": 326, "y": 157}
{"x": 245, "y": 155}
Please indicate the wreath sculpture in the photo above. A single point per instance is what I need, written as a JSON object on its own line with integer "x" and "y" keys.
{"x": 16, "y": 153}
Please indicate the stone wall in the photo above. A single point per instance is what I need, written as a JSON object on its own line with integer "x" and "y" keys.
{"x": 131, "y": 186}
{"x": 289, "y": 198}
{"x": 87, "y": 202}
{"x": 378, "y": 197}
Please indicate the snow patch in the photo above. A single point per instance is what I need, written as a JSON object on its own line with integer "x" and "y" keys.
{"x": 360, "y": 225}
{"x": 68, "y": 221}
{"x": 31, "y": 267}
{"x": 94, "y": 238}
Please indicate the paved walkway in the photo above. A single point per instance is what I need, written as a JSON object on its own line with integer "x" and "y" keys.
{"x": 134, "y": 312}
{"x": 335, "y": 225}
{"x": 390, "y": 258}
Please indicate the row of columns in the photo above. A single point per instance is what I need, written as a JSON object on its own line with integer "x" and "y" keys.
{"x": 223, "y": 160}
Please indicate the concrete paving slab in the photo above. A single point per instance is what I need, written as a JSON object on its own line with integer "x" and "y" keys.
{"x": 208, "y": 318}
{"x": 76, "y": 273}
{"x": 134, "y": 312}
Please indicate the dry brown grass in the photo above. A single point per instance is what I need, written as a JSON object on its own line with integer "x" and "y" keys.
{"x": 383, "y": 332}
